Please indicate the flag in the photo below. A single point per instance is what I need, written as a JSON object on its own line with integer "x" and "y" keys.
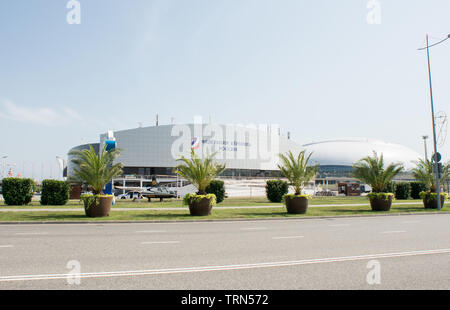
{"x": 195, "y": 144}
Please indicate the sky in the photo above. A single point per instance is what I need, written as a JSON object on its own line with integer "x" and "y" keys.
{"x": 318, "y": 68}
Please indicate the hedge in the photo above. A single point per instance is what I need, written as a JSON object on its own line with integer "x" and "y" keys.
{"x": 217, "y": 187}
{"x": 416, "y": 188}
{"x": 276, "y": 189}
{"x": 17, "y": 191}
{"x": 402, "y": 190}
{"x": 55, "y": 192}
{"x": 389, "y": 188}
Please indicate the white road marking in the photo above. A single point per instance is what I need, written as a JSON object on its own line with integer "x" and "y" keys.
{"x": 149, "y": 231}
{"x": 393, "y": 232}
{"x": 410, "y": 222}
{"x": 160, "y": 242}
{"x": 339, "y": 225}
{"x": 6, "y": 246}
{"x": 292, "y": 220}
{"x": 289, "y": 237}
{"x": 254, "y": 228}
{"x": 221, "y": 268}
{"x": 31, "y": 233}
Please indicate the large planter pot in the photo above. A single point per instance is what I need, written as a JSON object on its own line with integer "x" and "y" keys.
{"x": 381, "y": 204}
{"x": 201, "y": 208}
{"x": 432, "y": 203}
{"x": 296, "y": 205}
{"x": 101, "y": 208}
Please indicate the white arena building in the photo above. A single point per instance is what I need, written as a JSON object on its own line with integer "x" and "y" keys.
{"x": 250, "y": 154}
{"x": 337, "y": 156}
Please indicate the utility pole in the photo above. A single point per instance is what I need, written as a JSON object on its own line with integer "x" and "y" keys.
{"x": 438, "y": 186}
{"x": 435, "y": 155}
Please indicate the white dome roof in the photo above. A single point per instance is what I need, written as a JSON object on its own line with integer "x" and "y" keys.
{"x": 346, "y": 152}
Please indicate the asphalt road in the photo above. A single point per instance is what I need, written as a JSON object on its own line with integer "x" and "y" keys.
{"x": 402, "y": 252}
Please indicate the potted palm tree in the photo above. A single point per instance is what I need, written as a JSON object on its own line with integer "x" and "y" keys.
{"x": 424, "y": 173}
{"x": 371, "y": 170}
{"x": 200, "y": 172}
{"x": 96, "y": 170}
{"x": 298, "y": 173}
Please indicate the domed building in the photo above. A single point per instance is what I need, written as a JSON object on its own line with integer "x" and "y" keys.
{"x": 336, "y": 157}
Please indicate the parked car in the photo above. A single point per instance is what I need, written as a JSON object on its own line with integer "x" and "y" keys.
{"x": 129, "y": 195}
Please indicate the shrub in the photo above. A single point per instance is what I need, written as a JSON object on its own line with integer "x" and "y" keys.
{"x": 17, "y": 191}
{"x": 199, "y": 171}
{"x": 54, "y": 192}
{"x": 292, "y": 196}
{"x": 389, "y": 188}
{"x": 275, "y": 189}
{"x": 296, "y": 170}
{"x": 87, "y": 199}
{"x": 94, "y": 169}
{"x": 416, "y": 188}
{"x": 384, "y": 196}
{"x": 217, "y": 187}
{"x": 430, "y": 196}
{"x": 402, "y": 190}
{"x": 371, "y": 170}
{"x": 424, "y": 173}
{"x": 91, "y": 200}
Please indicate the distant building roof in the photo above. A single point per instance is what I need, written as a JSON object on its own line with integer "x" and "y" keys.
{"x": 347, "y": 151}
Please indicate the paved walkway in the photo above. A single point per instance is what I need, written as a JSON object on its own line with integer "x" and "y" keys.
{"x": 38, "y": 209}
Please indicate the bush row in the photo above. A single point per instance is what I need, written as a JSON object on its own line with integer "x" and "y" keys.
{"x": 18, "y": 191}
{"x": 406, "y": 190}
{"x": 275, "y": 189}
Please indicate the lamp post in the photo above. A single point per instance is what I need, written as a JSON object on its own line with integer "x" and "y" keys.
{"x": 3, "y": 165}
{"x": 61, "y": 164}
{"x": 425, "y": 145}
{"x": 435, "y": 156}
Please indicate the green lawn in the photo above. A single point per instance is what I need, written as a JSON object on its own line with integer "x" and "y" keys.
{"x": 229, "y": 202}
{"x": 153, "y": 215}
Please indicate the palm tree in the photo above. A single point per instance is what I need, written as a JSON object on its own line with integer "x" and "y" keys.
{"x": 296, "y": 170}
{"x": 371, "y": 170}
{"x": 96, "y": 170}
{"x": 424, "y": 173}
{"x": 199, "y": 172}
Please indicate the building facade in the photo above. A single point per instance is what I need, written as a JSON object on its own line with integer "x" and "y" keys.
{"x": 247, "y": 152}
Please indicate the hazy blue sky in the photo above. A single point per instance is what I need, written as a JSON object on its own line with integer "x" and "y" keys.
{"x": 317, "y": 68}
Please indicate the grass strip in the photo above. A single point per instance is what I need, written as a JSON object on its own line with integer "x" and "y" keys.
{"x": 217, "y": 214}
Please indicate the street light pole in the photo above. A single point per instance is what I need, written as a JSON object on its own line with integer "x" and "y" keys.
{"x": 61, "y": 166}
{"x": 436, "y": 172}
{"x": 3, "y": 165}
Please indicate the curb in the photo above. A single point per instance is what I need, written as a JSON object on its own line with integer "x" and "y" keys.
{"x": 222, "y": 220}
